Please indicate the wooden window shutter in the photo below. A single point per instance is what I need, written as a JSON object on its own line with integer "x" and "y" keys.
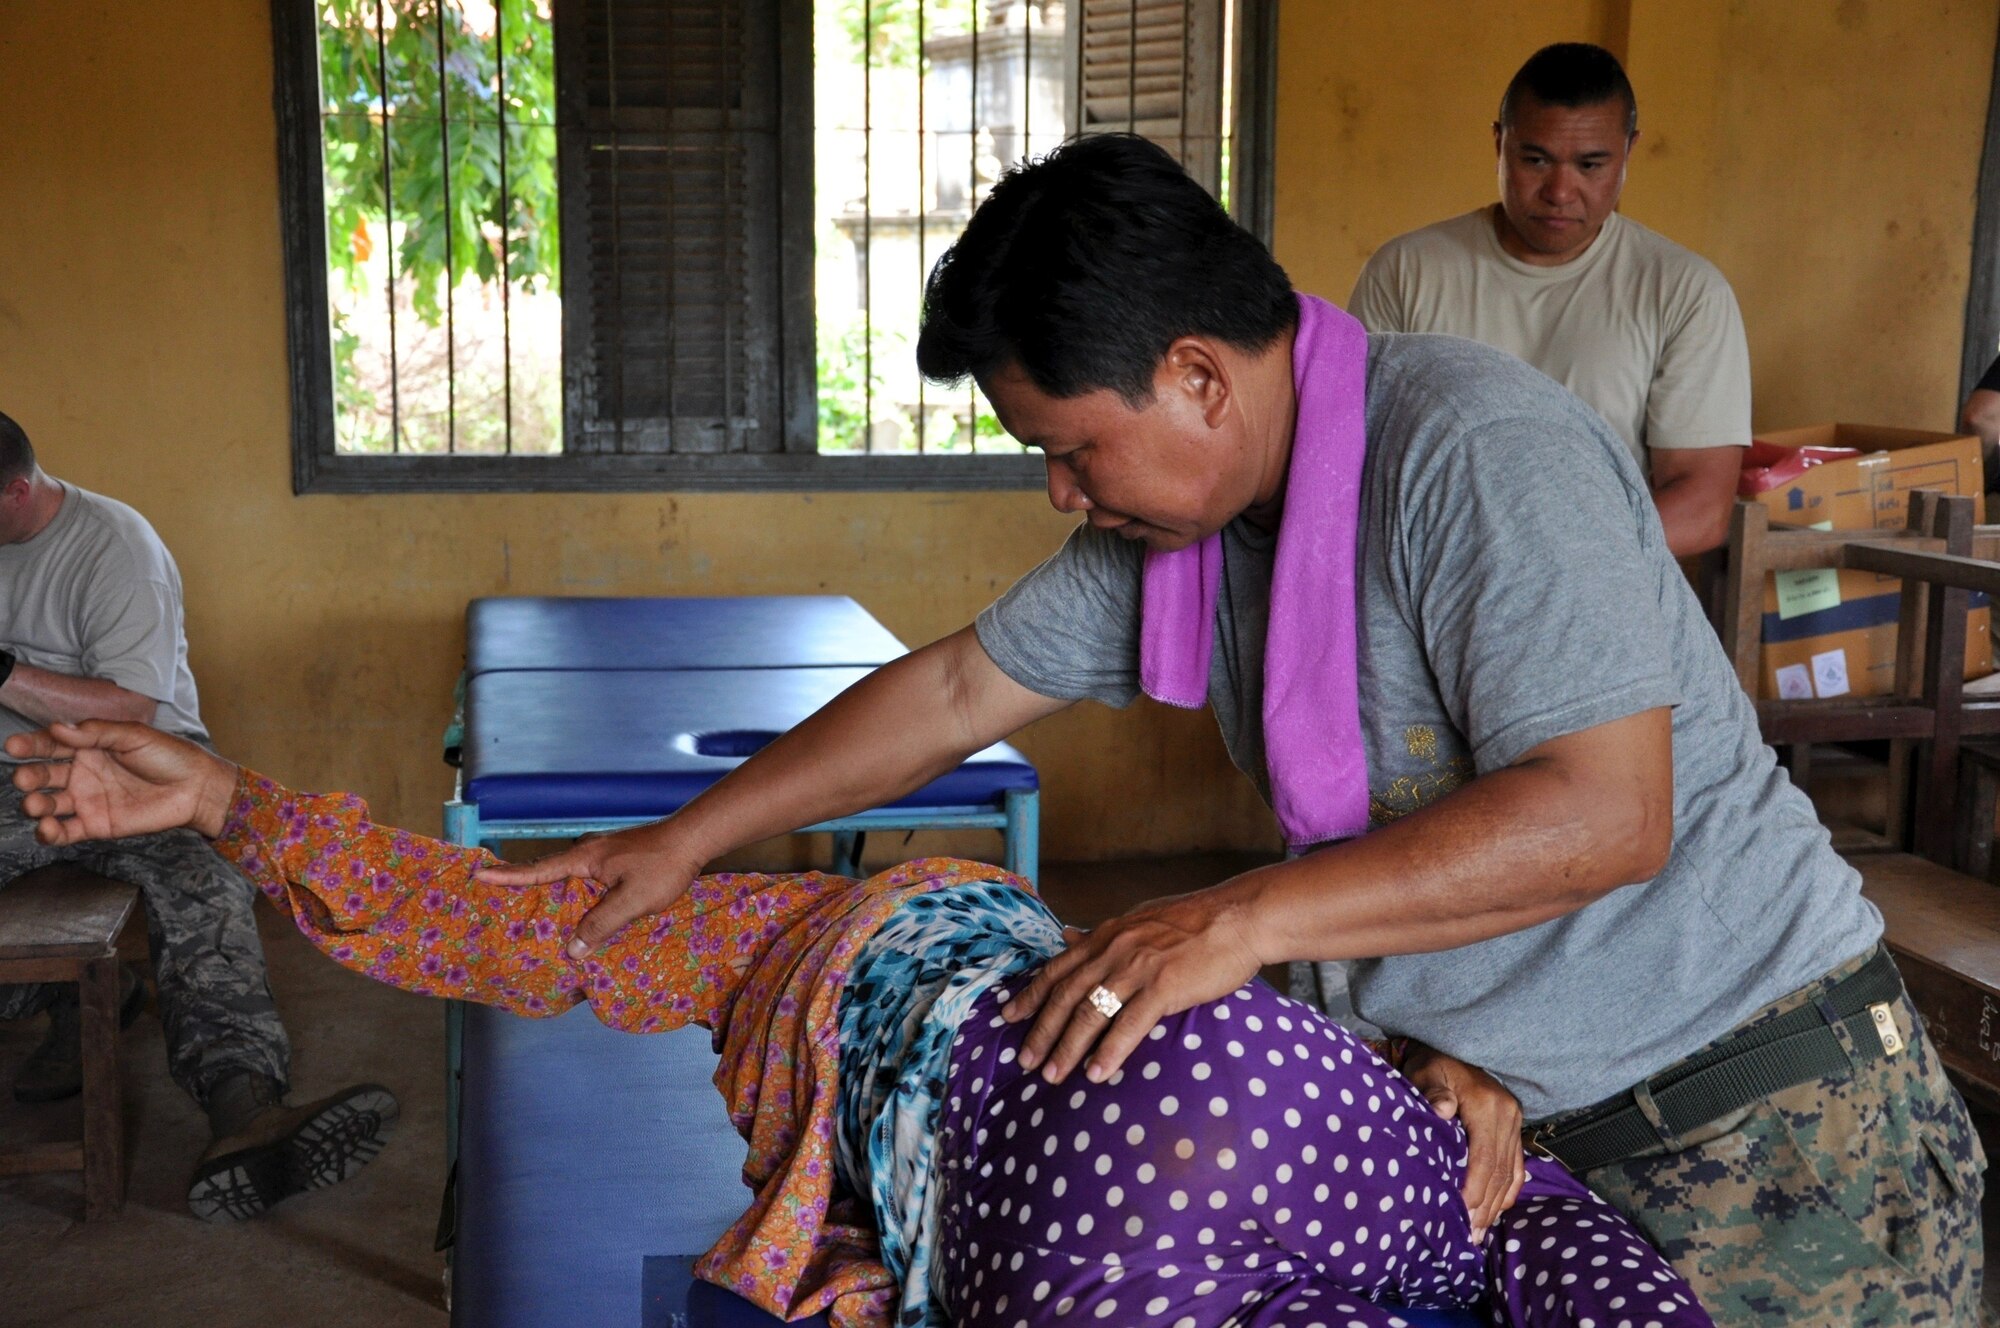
{"x": 1151, "y": 67}
{"x": 673, "y": 313}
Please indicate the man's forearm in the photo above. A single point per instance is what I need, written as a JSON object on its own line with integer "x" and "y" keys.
{"x": 1510, "y": 850}
{"x": 1696, "y": 520}
{"x": 889, "y": 734}
{"x": 47, "y": 697}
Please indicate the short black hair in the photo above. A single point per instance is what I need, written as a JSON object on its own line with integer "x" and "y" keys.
{"x": 17, "y": 455}
{"x": 1571, "y": 74}
{"x": 1084, "y": 267}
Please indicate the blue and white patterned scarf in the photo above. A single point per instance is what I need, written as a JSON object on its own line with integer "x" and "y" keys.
{"x": 910, "y": 988}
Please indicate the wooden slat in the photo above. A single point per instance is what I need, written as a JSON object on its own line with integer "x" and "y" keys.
{"x": 1966, "y": 573}
{"x": 103, "y": 1118}
{"x": 61, "y": 912}
{"x": 37, "y": 1158}
{"x": 1944, "y": 929}
{"x": 1743, "y": 594}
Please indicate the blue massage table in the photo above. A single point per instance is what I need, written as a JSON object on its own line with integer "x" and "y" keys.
{"x": 589, "y": 1166}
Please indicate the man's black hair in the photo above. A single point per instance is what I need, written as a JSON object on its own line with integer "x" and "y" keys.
{"x": 1571, "y": 74}
{"x": 1085, "y": 266}
{"x": 17, "y": 457}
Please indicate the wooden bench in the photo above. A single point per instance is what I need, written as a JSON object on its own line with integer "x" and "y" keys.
{"x": 61, "y": 924}
{"x": 1944, "y": 929}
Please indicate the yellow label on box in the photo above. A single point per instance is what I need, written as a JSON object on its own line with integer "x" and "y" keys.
{"x": 1808, "y": 591}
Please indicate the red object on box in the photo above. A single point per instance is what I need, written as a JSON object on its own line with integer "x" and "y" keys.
{"x": 1766, "y": 467}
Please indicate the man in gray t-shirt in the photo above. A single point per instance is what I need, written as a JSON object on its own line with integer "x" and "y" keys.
{"x": 1581, "y": 870}
{"x": 91, "y": 628}
{"x": 1514, "y": 587}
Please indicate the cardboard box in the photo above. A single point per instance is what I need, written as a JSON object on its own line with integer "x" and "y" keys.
{"x": 1829, "y": 633}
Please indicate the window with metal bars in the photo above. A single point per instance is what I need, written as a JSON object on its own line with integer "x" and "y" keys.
{"x": 625, "y": 244}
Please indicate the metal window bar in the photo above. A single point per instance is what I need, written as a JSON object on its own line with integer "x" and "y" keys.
{"x": 923, "y": 270}
{"x": 671, "y": 274}
{"x": 971, "y": 202}
{"x": 1187, "y": 58}
{"x": 388, "y": 224}
{"x": 867, "y": 226}
{"x": 506, "y": 219}
{"x": 1131, "y": 71}
{"x": 617, "y": 227}
{"x": 438, "y": 12}
{"x": 732, "y": 127}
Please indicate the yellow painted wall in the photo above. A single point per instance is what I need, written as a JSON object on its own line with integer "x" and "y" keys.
{"x": 1385, "y": 116}
{"x": 142, "y": 346}
{"x": 1823, "y": 154}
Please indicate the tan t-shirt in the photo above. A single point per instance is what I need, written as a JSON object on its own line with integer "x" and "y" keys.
{"x": 95, "y": 594}
{"x": 1645, "y": 331}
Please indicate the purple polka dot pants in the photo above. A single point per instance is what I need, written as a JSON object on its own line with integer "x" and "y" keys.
{"x": 1253, "y": 1165}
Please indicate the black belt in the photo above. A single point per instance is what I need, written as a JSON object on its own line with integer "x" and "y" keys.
{"x": 1811, "y": 1042}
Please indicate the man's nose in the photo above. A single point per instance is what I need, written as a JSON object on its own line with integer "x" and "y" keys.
{"x": 1064, "y": 496}
{"x": 1559, "y": 185}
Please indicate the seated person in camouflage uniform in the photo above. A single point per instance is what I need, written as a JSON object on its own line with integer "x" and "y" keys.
{"x": 91, "y": 627}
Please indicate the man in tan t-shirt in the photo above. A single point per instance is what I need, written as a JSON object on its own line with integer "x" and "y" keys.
{"x": 1645, "y": 331}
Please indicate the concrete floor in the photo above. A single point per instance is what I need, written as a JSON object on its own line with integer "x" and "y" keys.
{"x": 359, "y": 1253}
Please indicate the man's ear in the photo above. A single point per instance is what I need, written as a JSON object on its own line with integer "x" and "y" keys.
{"x": 1195, "y": 369}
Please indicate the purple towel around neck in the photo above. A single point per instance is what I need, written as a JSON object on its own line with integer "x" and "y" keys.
{"x": 1312, "y": 705}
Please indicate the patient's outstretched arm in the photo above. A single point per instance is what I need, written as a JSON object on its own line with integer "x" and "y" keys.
{"x": 406, "y": 909}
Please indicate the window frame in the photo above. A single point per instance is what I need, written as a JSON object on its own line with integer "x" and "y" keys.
{"x": 318, "y": 468}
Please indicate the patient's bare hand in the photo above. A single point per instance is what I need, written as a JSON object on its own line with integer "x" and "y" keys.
{"x": 1496, "y": 1166}
{"x": 642, "y": 877}
{"x": 103, "y": 779}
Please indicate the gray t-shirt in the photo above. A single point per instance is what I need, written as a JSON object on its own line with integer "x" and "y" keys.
{"x": 1514, "y": 586}
{"x": 95, "y": 594}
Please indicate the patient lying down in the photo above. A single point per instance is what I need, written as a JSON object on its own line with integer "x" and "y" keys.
{"x": 1252, "y": 1164}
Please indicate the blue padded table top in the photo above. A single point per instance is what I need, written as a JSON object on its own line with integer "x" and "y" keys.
{"x": 740, "y": 632}
{"x": 545, "y": 745}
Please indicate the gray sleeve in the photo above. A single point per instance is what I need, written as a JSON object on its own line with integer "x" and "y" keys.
{"x": 132, "y": 635}
{"x": 1070, "y": 629}
{"x": 1533, "y": 568}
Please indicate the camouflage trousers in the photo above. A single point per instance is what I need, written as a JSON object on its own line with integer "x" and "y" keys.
{"x": 208, "y": 964}
{"x": 1842, "y": 1201}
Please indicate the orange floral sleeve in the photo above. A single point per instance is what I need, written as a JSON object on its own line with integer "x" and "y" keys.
{"x": 408, "y": 910}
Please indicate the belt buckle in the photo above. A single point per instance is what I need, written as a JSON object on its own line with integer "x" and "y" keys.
{"x": 1534, "y": 1143}
{"x": 1885, "y": 1028}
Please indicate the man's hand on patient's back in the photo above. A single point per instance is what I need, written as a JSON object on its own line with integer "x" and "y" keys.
{"x": 103, "y": 779}
{"x": 1495, "y": 1167}
{"x": 643, "y": 875}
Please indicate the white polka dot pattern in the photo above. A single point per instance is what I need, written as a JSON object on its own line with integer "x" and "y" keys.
{"x": 1272, "y": 1172}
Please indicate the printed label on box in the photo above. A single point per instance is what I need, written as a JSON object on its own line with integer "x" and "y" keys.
{"x": 1808, "y": 591}
{"x": 1829, "y": 673}
{"x": 1794, "y": 683}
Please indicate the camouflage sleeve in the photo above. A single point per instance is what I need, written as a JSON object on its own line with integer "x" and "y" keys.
{"x": 409, "y": 911}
